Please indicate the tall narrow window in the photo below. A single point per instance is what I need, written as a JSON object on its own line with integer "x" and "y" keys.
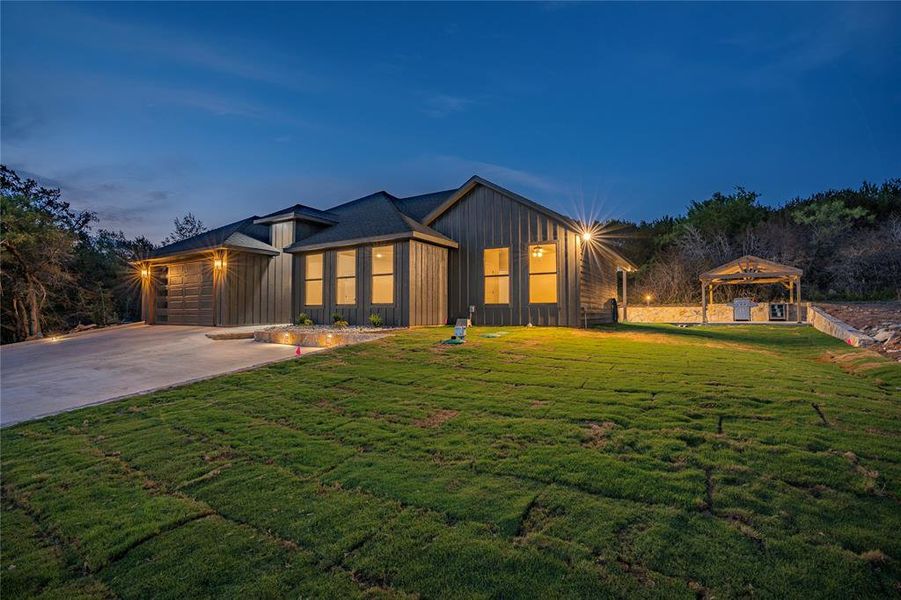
{"x": 346, "y": 277}
{"x": 312, "y": 275}
{"x": 543, "y": 274}
{"x": 497, "y": 276}
{"x": 383, "y": 274}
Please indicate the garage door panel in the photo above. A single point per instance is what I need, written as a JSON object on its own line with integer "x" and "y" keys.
{"x": 190, "y": 294}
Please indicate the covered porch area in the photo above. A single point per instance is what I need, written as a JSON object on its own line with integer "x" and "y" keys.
{"x": 752, "y": 270}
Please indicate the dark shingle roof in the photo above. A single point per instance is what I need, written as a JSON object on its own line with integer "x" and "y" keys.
{"x": 299, "y": 211}
{"x": 240, "y": 234}
{"x": 420, "y": 206}
{"x": 373, "y": 216}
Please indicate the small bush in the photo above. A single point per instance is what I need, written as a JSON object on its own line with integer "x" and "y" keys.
{"x": 375, "y": 320}
{"x": 341, "y": 323}
{"x": 303, "y": 319}
{"x": 337, "y": 317}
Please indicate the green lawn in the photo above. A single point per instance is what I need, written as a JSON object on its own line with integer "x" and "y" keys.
{"x": 545, "y": 463}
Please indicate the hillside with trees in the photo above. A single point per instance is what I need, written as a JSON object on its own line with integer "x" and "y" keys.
{"x": 848, "y": 242}
{"x": 57, "y": 272}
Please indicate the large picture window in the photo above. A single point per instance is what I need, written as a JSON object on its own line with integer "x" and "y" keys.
{"x": 383, "y": 274}
{"x": 497, "y": 275}
{"x": 346, "y": 277}
{"x": 543, "y": 274}
{"x": 312, "y": 275}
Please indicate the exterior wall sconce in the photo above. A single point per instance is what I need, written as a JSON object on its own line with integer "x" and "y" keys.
{"x": 586, "y": 236}
{"x": 145, "y": 272}
{"x": 218, "y": 263}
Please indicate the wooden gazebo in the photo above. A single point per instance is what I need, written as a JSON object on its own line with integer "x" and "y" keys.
{"x": 752, "y": 270}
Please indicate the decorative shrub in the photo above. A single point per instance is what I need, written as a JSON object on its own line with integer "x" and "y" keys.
{"x": 341, "y": 323}
{"x": 375, "y": 320}
{"x": 336, "y": 317}
{"x": 303, "y": 319}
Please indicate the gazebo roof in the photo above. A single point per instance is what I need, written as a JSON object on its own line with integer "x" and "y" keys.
{"x": 751, "y": 269}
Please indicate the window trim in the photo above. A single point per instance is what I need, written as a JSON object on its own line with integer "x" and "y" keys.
{"x": 485, "y": 276}
{"x": 340, "y": 277}
{"x": 374, "y": 274}
{"x": 320, "y": 279}
{"x": 555, "y": 272}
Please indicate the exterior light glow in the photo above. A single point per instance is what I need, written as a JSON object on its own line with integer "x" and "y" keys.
{"x": 217, "y": 263}
{"x": 145, "y": 272}
{"x": 647, "y": 299}
{"x": 586, "y": 237}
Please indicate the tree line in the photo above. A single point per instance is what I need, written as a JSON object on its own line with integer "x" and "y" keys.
{"x": 57, "y": 271}
{"x": 848, "y": 242}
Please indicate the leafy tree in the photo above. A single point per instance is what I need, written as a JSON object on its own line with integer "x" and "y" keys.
{"x": 185, "y": 227}
{"x": 726, "y": 214}
{"x": 39, "y": 234}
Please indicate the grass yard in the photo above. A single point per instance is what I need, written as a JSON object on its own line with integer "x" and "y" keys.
{"x": 641, "y": 461}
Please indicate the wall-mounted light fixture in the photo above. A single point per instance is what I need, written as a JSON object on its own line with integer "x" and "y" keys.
{"x": 145, "y": 272}
{"x": 218, "y": 263}
{"x": 586, "y": 236}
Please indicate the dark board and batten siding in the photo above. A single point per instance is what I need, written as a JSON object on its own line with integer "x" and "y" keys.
{"x": 397, "y": 313}
{"x": 598, "y": 288}
{"x": 428, "y": 284}
{"x": 485, "y": 218}
{"x": 256, "y": 288}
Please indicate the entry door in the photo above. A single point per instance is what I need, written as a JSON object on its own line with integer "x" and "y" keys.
{"x": 189, "y": 294}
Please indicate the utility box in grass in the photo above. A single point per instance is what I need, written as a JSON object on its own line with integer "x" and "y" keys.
{"x": 460, "y": 329}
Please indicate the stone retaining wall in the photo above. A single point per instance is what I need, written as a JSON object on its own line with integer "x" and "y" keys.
{"x": 322, "y": 338}
{"x": 716, "y": 313}
{"x": 828, "y": 324}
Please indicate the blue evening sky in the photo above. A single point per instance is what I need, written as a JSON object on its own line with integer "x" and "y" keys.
{"x": 144, "y": 111}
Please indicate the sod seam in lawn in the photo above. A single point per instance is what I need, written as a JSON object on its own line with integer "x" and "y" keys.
{"x": 637, "y": 461}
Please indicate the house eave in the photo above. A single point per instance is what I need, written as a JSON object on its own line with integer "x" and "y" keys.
{"x": 293, "y": 216}
{"x": 415, "y": 235}
{"x": 202, "y": 253}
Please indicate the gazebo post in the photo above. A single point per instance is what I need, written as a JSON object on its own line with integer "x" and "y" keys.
{"x": 703, "y": 302}
{"x": 798, "y": 299}
{"x": 791, "y": 291}
{"x": 625, "y": 296}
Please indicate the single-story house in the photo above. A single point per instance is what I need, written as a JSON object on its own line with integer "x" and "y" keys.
{"x": 478, "y": 251}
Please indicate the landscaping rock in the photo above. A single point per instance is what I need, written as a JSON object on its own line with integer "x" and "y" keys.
{"x": 322, "y": 337}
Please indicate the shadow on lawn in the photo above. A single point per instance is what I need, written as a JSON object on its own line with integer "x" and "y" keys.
{"x": 782, "y": 337}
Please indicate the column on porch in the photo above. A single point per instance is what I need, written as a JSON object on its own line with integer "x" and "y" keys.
{"x": 703, "y": 302}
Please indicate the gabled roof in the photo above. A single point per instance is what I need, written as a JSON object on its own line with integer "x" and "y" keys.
{"x": 301, "y": 212}
{"x": 475, "y": 180}
{"x": 372, "y": 218}
{"x": 378, "y": 217}
{"x": 240, "y": 235}
{"x": 751, "y": 269}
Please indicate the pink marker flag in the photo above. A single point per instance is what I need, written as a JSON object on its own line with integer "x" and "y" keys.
{"x": 297, "y": 352}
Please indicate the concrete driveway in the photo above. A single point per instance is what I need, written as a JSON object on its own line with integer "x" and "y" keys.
{"x": 46, "y": 377}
